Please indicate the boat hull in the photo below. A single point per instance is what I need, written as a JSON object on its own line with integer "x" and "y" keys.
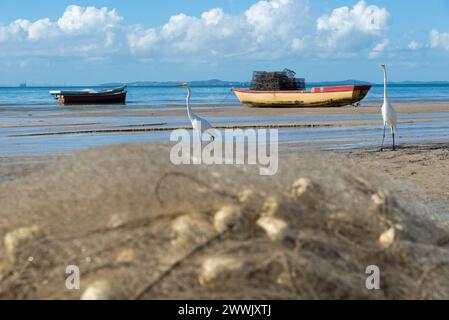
{"x": 114, "y": 98}
{"x": 317, "y": 97}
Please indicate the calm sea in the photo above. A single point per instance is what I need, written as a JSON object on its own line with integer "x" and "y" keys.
{"x": 160, "y": 96}
{"x": 29, "y": 117}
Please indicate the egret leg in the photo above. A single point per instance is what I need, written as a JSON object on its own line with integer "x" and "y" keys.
{"x": 394, "y": 147}
{"x": 383, "y": 140}
{"x": 201, "y": 141}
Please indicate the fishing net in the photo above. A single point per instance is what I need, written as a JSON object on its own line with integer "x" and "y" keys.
{"x": 139, "y": 227}
{"x": 275, "y": 81}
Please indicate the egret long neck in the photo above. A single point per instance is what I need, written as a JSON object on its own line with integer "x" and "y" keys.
{"x": 189, "y": 109}
{"x": 385, "y": 86}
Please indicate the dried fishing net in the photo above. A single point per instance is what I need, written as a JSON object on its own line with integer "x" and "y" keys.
{"x": 141, "y": 228}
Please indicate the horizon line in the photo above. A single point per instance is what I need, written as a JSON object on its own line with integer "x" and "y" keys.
{"x": 131, "y": 83}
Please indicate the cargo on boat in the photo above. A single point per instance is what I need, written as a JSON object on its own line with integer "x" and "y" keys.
{"x": 89, "y": 96}
{"x": 282, "y": 89}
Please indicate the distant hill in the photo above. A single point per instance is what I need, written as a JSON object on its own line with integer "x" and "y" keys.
{"x": 337, "y": 83}
{"x": 221, "y": 83}
{"x": 421, "y": 82}
{"x": 201, "y": 83}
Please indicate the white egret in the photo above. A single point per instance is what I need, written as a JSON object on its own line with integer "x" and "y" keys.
{"x": 199, "y": 124}
{"x": 388, "y": 113}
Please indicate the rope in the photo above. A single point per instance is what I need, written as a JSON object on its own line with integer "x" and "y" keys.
{"x": 226, "y": 98}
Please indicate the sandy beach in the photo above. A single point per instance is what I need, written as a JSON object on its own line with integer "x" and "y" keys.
{"x": 141, "y": 228}
{"x": 94, "y": 187}
{"x": 262, "y": 150}
{"x": 418, "y": 171}
{"x": 57, "y": 131}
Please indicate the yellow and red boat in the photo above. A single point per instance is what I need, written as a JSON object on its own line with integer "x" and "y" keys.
{"x": 336, "y": 96}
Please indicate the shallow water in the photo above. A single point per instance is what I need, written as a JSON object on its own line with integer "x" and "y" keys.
{"x": 39, "y": 97}
{"x": 290, "y": 139}
{"x": 28, "y": 111}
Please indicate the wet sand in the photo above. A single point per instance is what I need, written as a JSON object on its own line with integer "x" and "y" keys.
{"x": 60, "y": 130}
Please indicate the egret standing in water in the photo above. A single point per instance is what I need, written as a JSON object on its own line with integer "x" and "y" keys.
{"x": 199, "y": 124}
{"x": 388, "y": 113}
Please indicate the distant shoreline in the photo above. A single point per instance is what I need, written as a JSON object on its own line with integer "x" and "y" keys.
{"x": 220, "y": 83}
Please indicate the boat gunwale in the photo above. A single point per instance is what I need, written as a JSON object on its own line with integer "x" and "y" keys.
{"x": 88, "y": 92}
{"x": 331, "y": 89}
{"x": 97, "y": 95}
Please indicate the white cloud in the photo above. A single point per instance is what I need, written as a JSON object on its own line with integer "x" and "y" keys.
{"x": 213, "y": 17}
{"x": 379, "y": 49}
{"x": 78, "y": 31}
{"x": 439, "y": 40}
{"x": 266, "y": 29}
{"x": 79, "y": 20}
{"x": 42, "y": 29}
{"x": 414, "y": 45}
{"x": 352, "y": 29}
{"x": 271, "y": 20}
{"x": 269, "y": 29}
{"x": 140, "y": 39}
{"x": 15, "y": 31}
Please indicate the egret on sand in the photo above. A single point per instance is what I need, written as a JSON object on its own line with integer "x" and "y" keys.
{"x": 388, "y": 113}
{"x": 199, "y": 124}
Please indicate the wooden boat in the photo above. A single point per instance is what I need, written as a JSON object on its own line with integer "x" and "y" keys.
{"x": 336, "y": 96}
{"x": 89, "y": 96}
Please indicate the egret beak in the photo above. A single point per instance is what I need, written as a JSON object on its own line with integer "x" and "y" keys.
{"x": 182, "y": 85}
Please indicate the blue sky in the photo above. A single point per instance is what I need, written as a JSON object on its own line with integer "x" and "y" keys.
{"x": 89, "y": 42}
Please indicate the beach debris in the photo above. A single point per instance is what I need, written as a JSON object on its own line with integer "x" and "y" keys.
{"x": 284, "y": 279}
{"x": 116, "y": 221}
{"x": 341, "y": 216}
{"x": 126, "y": 256}
{"x": 245, "y": 195}
{"x": 270, "y": 207}
{"x": 217, "y": 267}
{"x": 190, "y": 228}
{"x": 275, "y": 228}
{"x": 18, "y": 238}
{"x": 386, "y": 239}
{"x": 98, "y": 290}
{"x": 227, "y": 217}
{"x": 300, "y": 187}
{"x": 379, "y": 199}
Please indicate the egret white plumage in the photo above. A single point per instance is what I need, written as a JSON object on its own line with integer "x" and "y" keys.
{"x": 388, "y": 113}
{"x": 199, "y": 124}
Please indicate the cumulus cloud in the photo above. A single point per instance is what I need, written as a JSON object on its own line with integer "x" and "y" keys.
{"x": 269, "y": 29}
{"x": 351, "y": 29}
{"x": 278, "y": 19}
{"x": 439, "y": 40}
{"x": 78, "y": 31}
{"x": 141, "y": 39}
{"x": 379, "y": 49}
{"x": 78, "y": 20}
